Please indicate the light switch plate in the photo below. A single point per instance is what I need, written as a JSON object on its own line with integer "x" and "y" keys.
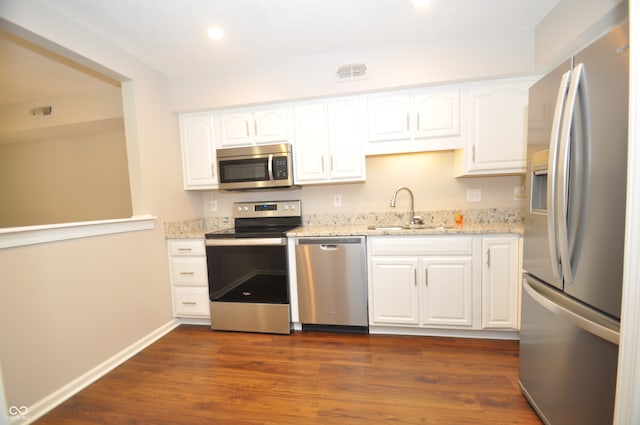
{"x": 474, "y": 195}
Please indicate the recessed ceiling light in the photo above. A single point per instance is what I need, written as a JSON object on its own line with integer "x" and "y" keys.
{"x": 421, "y": 4}
{"x": 215, "y": 33}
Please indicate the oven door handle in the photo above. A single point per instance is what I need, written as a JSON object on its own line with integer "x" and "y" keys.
{"x": 247, "y": 242}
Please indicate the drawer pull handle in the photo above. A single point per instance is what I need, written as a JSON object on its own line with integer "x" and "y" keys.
{"x": 187, "y": 273}
{"x": 185, "y": 249}
{"x": 189, "y": 303}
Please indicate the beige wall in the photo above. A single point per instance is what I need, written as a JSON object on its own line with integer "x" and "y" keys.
{"x": 65, "y": 307}
{"x": 73, "y": 178}
{"x": 571, "y": 25}
{"x": 446, "y": 60}
{"x": 428, "y": 175}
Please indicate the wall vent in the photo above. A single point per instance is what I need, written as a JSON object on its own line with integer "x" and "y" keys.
{"x": 354, "y": 71}
{"x": 43, "y": 110}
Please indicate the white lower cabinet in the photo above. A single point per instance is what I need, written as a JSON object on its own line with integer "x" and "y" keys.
{"x": 189, "y": 282}
{"x": 423, "y": 281}
{"x": 446, "y": 296}
{"x": 394, "y": 297}
{"x": 450, "y": 282}
{"x": 500, "y": 271}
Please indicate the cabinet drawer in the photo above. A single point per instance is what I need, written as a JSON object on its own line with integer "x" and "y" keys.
{"x": 189, "y": 271}
{"x": 191, "y": 301}
{"x": 421, "y": 245}
{"x": 186, "y": 247}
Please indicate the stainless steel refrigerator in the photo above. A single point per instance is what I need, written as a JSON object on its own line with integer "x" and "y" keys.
{"x": 574, "y": 234}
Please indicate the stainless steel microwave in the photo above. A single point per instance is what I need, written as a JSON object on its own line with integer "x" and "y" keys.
{"x": 255, "y": 167}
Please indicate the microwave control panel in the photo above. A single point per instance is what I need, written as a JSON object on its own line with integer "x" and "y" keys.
{"x": 280, "y": 168}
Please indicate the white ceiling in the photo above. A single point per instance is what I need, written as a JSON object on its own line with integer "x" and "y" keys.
{"x": 171, "y": 35}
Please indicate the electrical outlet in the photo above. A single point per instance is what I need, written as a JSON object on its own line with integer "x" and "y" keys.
{"x": 518, "y": 193}
{"x": 337, "y": 200}
{"x": 474, "y": 195}
{"x": 213, "y": 205}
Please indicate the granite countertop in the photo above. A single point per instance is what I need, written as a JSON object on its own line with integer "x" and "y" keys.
{"x": 477, "y": 221}
{"x": 363, "y": 230}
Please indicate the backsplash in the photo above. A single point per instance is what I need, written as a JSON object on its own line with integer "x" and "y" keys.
{"x": 197, "y": 227}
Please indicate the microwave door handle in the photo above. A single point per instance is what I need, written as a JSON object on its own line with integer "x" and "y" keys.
{"x": 552, "y": 167}
{"x": 270, "y": 168}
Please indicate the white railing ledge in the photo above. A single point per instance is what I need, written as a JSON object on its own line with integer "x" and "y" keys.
{"x": 30, "y": 235}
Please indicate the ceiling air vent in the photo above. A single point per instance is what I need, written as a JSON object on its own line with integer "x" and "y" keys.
{"x": 354, "y": 71}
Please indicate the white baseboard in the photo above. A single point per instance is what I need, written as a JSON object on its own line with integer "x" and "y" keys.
{"x": 41, "y": 407}
{"x": 456, "y": 333}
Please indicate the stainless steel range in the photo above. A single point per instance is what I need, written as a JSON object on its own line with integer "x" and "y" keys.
{"x": 247, "y": 266}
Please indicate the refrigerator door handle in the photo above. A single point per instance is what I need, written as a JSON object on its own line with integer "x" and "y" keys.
{"x": 562, "y": 189}
{"x": 552, "y": 172}
{"x": 591, "y": 326}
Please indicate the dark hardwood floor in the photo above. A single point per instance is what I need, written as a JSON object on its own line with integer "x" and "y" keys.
{"x": 196, "y": 376}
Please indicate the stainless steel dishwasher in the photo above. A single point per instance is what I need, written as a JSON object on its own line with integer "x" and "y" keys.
{"x": 332, "y": 283}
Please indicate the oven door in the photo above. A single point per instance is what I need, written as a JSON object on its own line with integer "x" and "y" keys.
{"x": 248, "y": 284}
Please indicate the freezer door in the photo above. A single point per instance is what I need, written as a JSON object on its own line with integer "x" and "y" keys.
{"x": 568, "y": 361}
{"x": 546, "y": 106}
{"x": 592, "y": 173}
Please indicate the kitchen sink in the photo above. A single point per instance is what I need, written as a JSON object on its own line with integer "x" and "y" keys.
{"x": 408, "y": 227}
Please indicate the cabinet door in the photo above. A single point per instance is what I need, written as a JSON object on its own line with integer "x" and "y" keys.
{"x": 498, "y": 127}
{"x": 437, "y": 114}
{"x": 236, "y": 129}
{"x": 189, "y": 270}
{"x": 394, "y": 285}
{"x": 198, "y": 151}
{"x": 389, "y": 117}
{"x": 311, "y": 148}
{"x": 271, "y": 125}
{"x": 191, "y": 302}
{"x": 500, "y": 278}
{"x": 446, "y": 298}
{"x": 346, "y": 160}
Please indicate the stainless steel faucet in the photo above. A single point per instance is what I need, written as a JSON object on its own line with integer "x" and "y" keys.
{"x": 413, "y": 218}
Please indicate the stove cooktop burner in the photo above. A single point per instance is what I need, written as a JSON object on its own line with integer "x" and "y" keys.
{"x": 261, "y": 220}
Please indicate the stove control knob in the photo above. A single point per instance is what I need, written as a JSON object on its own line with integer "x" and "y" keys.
{"x": 293, "y": 206}
{"x": 239, "y": 209}
{"x": 246, "y": 209}
{"x": 286, "y": 207}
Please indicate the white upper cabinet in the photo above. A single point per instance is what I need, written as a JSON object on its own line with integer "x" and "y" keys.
{"x": 311, "y": 148}
{"x": 412, "y": 121}
{"x": 347, "y": 161}
{"x": 389, "y": 117}
{"x": 328, "y": 142}
{"x": 197, "y": 139}
{"x": 246, "y": 127}
{"x": 497, "y": 129}
{"x": 437, "y": 113}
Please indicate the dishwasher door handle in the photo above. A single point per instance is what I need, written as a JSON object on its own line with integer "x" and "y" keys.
{"x": 329, "y": 247}
{"x": 323, "y": 241}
